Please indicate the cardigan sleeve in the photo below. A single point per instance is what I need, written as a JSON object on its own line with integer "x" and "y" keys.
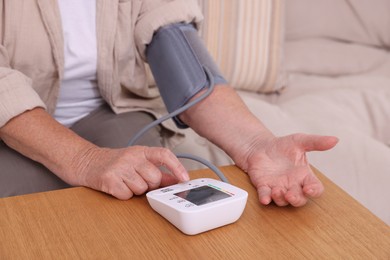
{"x": 16, "y": 95}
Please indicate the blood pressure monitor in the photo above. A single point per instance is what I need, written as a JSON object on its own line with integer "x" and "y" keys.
{"x": 199, "y": 205}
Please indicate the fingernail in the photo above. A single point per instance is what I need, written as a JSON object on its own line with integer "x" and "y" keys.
{"x": 185, "y": 177}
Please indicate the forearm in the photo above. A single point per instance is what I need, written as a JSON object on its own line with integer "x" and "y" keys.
{"x": 38, "y": 136}
{"x": 225, "y": 120}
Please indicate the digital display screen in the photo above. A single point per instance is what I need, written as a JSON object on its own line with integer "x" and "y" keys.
{"x": 202, "y": 195}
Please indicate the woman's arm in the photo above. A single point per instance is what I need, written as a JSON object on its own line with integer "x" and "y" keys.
{"x": 120, "y": 172}
{"x": 277, "y": 166}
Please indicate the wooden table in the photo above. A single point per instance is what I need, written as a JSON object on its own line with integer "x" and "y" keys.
{"x": 80, "y": 223}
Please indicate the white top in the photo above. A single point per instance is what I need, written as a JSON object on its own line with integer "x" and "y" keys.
{"x": 79, "y": 94}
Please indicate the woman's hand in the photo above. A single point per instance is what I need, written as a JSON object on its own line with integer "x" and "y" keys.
{"x": 119, "y": 172}
{"x": 279, "y": 169}
{"x": 128, "y": 171}
{"x": 277, "y": 166}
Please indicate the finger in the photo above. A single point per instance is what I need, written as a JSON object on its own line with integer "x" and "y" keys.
{"x": 150, "y": 174}
{"x": 278, "y": 196}
{"x": 295, "y": 196}
{"x": 167, "y": 179}
{"x": 164, "y": 157}
{"x": 117, "y": 188}
{"x": 312, "y": 186}
{"x": 264, "y": 193}
{"x": 135, "y": 183}
{"x": 315, "y": 142}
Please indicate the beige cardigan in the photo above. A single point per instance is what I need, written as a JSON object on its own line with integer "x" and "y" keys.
{"x": 32, "y": 61}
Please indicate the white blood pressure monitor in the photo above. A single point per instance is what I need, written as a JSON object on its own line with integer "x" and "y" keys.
{"x": 199, "y": 205}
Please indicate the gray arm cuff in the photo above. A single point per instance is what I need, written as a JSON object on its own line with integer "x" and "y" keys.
{"x": 177, "y": 57}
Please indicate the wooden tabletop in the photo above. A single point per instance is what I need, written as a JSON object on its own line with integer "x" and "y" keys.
{"x": 80, "y": 223}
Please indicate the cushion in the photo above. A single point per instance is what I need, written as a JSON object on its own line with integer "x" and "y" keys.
{"x": 326, "y": 57}
{"x": 358, "y": 21}
{"x": 245, "y": 38}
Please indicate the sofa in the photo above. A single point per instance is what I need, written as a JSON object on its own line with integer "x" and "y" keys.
{"x": 312, "y": 66}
